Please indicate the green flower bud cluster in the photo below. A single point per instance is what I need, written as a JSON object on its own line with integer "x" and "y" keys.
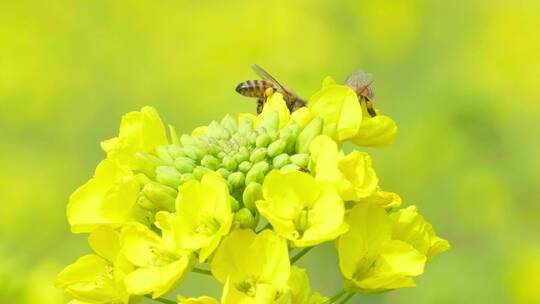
{"x": 242, "y": 153}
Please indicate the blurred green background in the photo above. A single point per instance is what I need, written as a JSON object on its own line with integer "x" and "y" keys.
{"x": 461, "y": 78}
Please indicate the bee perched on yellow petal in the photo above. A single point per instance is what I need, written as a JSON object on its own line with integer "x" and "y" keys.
{"x": 264, "y": 88}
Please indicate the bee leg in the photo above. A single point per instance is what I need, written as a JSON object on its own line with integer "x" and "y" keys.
{"x": 260, "y": 105}
{"x": 369, "y": 107}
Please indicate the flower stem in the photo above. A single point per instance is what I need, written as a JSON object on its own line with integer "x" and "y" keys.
{"x": 347, "y": 298}
{"x": 201, "y": 271}
{"x": 300, "y": 254}
{"x": 160, "y": 300}
{"x": 335, "y": 297}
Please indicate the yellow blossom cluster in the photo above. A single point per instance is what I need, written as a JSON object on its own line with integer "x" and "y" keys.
{"x": 242, "y": 200}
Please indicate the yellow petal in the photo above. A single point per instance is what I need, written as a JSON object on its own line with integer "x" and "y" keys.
{"x": 411, "y": 227}
{"x": 138, "y": 244}
{"x": 262, "y": 294}
{"x": 139, "y": 132}
{"x": 376, "y": 131}
{"x": 107, "y": 198}
{"x": 359, "y": 173}
{"x": 299, "y": 285}
{"x": 302, "y": 116}
{"x": 277, "y": 103}
{"x": 245, "y": 255}
{"x": 89, "y": 279}
{"x": 105, "y": 241}
{"x": 359, "y": 248}
{"x": 199, "y": 300}
{"x": 157, "y": 280}
{"x": 204, "y": 214}
{"x": 338, "y": 104}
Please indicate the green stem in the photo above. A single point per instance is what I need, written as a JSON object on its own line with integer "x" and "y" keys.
{"x": 300, "y": 254}
{"x": 201, "y": 271}
{"x": 347, "y": 298}
{"x": 160, "y": 300}
{"x": 335, "y": 297}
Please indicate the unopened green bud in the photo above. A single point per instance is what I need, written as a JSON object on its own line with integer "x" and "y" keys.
{"x": 270, "y": 121}
{"x": 187, "y": 140}
{"x": 200, "y": 171}
{"x": 241, "y": 155}
{"x": 168, "y": 176}
{"x": 246, "y": 125}
{"x": 186, "y": 177}
{"x": 256, "y": 176}
{"x": 184, "y": 164}
{"x": 229, "y": 123}
{"x": 148, "y": 163}
{"x": 173, "y": 135}
{"x": 142, "y": 179}
{"x": 146, "y": 204}
{"x": 193, "y": 152}
{"x": 300, "y": 160}
{"x": 245, "y": 219}
{"x": 223, "y": 172}
{"x": 274, "y": 135}
{"x": 276, "y": 148}
{"x": 236, "y": 180}
{"x": 202, "y": 143}
{"x": 312, "y": 130}
{"x": 245, "y": 166}
{"x": 257, "y": 155}
{"x": 163, "y": 153}
{"x": 287, "y": 134}
{"x": 262, "y": 166}
{"x": 263, "y": 140}
{"x": 175, "y": 151}
{"x": 210, "y": 162}
{"x": 160, "y": 195}
{"x": 229, "y": 163}
{"x": 295, "y": 128}
{"x": 221, "y": 154}
{"x": 235, "y": 205}
{"x": 289, "y": 168}
{"x": 251, "y": 195}
{"x": 281, "y": 160}
{"x": 252, "y": 138}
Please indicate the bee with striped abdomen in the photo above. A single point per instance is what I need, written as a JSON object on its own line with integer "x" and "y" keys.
{"x": 361, "y": 82}
{"x": 264, "y": 88}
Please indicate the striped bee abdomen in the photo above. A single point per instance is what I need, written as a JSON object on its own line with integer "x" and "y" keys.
{"x": 254, "y": 88}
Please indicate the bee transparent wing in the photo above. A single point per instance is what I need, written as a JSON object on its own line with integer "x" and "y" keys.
{"x": 266, "y": 76}
{"x": 361, "y": 81}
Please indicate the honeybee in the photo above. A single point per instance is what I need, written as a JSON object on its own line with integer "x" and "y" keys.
{"x": 264, "y": 88}
{"x": 361, "y": 82}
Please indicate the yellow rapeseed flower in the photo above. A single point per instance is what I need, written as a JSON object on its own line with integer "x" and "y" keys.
{"x": 139, "y": 132}
{"x": 300, "y": 209}
{"x": 255, "y": 268}
{"x": 370, "y": 259}
{"x": 376, "y": 131}
{"x": 108, "y": 198}
{"x": 160, "y": 263}
{"x": 339, "y": 108}
{"x": 97, "y": 278}
{"x": 203, "y": 214}
{"x": 353, "y": 174}
{"x": 411, "y": 227}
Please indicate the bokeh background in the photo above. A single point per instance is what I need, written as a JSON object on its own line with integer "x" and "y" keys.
{"x": 461, "y": 78}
